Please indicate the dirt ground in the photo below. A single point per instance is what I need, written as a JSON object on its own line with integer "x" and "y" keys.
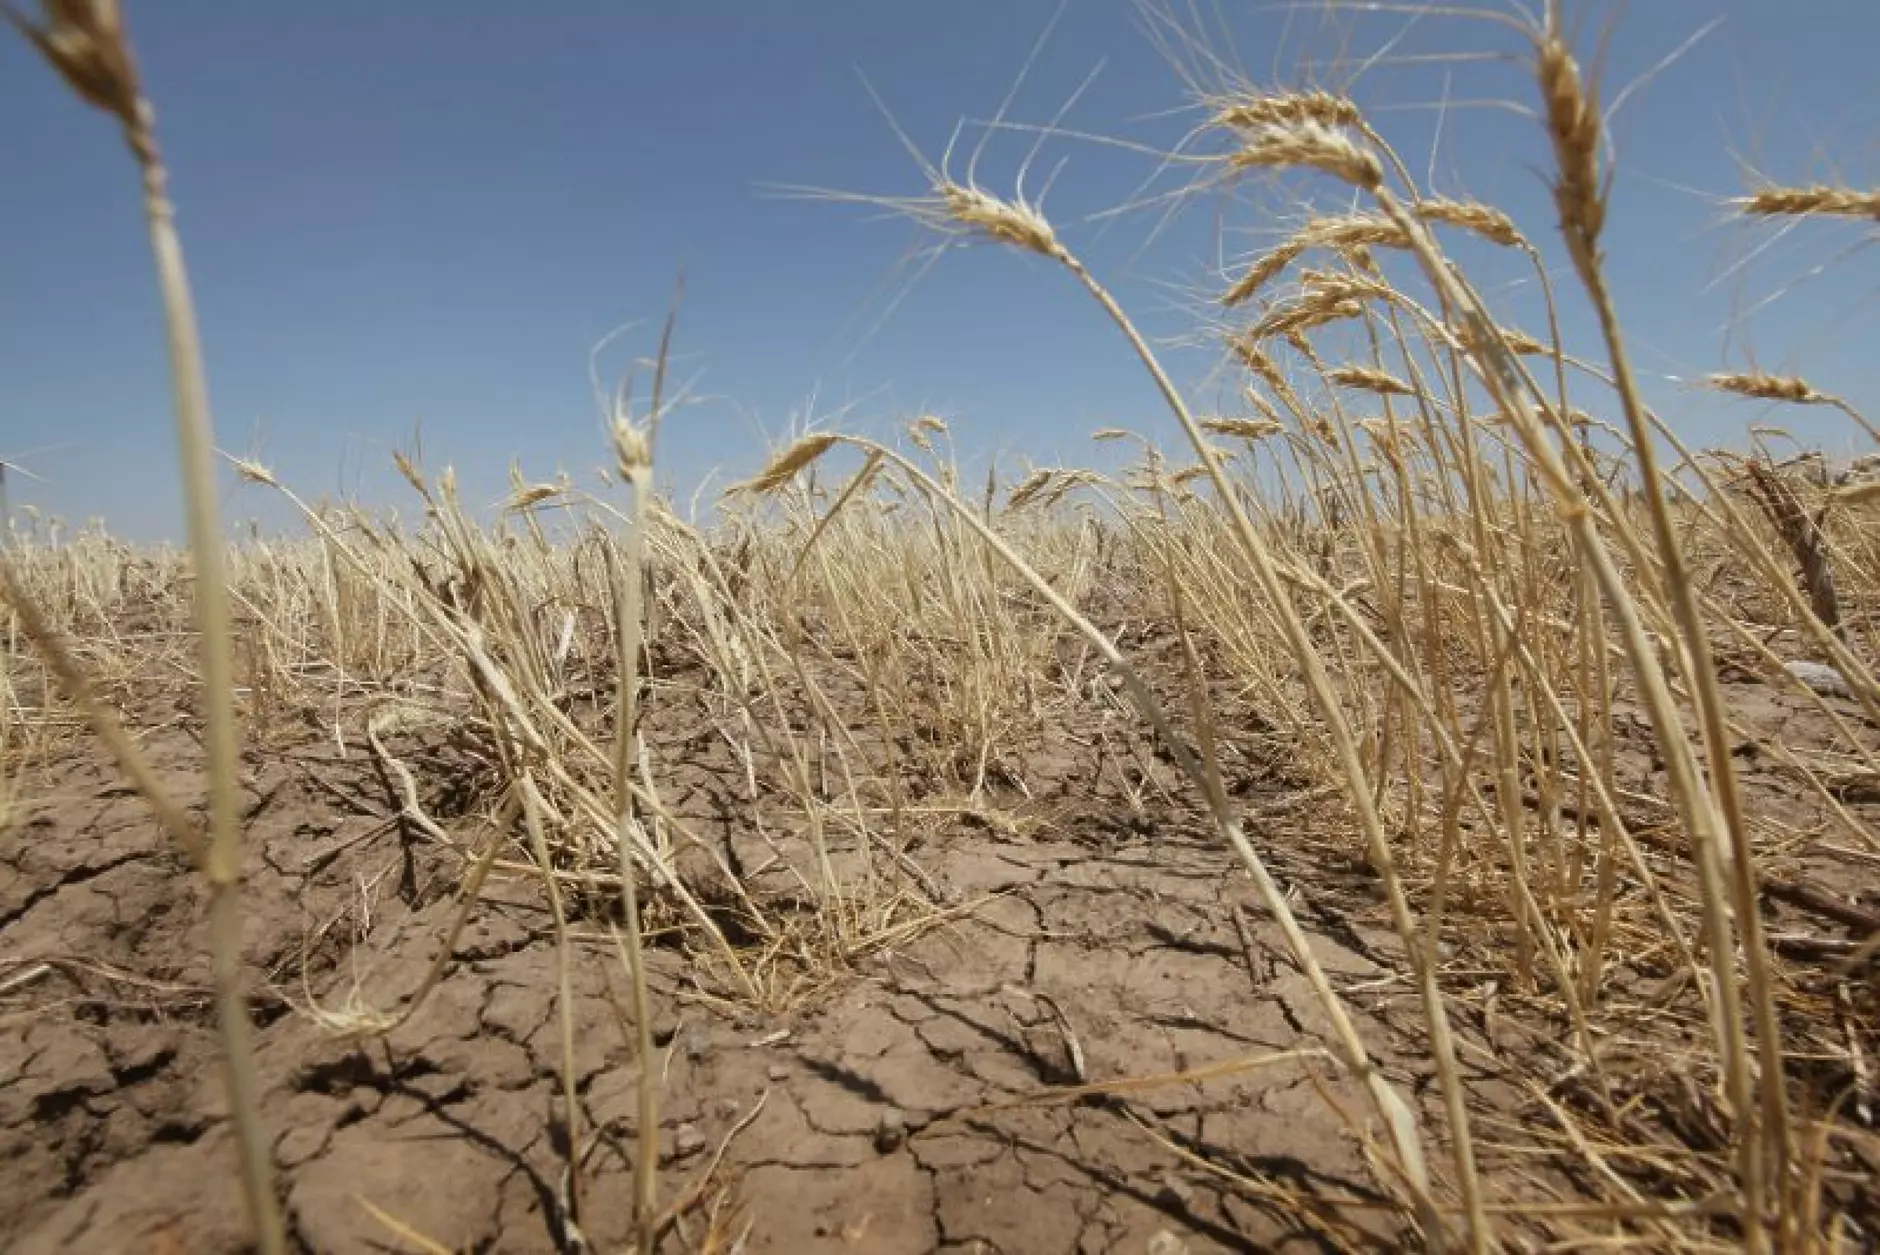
{"x": 912, "y": 1100}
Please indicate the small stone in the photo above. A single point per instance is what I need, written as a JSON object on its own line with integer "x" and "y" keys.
{"x": 1823, "y": 679}
{"x": 890, "y": 1130}
{"x": 778, "y": 1072}
{"x": 698, "y": 1044}
{"x": 1166, "y": 1243}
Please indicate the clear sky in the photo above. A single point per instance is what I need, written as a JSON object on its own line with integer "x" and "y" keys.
{"x": 428, "y": 213}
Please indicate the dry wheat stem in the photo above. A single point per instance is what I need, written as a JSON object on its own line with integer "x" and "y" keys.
{"x": 1735, "y": 852}
{"x": 84, "y": 41}
{"x": 633, "y": 452}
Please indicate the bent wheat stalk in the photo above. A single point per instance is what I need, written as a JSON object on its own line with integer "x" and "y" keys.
{"x": 84, "y": 41}
{"x": 1573, "y": 119}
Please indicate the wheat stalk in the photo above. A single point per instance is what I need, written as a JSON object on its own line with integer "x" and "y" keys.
{"x": 84, "y": 40}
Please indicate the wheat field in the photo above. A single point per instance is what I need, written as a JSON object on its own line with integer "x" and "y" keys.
{"x": 1426, "y": 807}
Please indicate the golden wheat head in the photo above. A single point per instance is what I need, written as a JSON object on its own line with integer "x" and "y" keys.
{"x": 1007, "y": 222}
{"x": 1252, "y": 111}
{"x": 84, "y": 41}
{"x": 1365, "y": 379}
{"x": 1819, "y": 200}
{"x": 1310, "y": 145}
{"x": 1763, "y": 387}
{"x": 1573, "y": 125}
{"x": 786, "y": 465}
{"x": 1484, "y": 220}
{"x": 1242, "y": 428}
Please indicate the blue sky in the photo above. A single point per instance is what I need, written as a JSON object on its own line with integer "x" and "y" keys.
{"x": 427, "y": 214}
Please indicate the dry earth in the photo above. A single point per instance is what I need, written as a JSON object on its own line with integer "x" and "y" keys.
{"x": 908, "y": 1101}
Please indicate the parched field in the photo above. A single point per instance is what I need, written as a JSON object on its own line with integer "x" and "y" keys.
{"x": 1032, "y": 1003}
{"x": 1433, "y": 809}
{"x": 918, "y": 1092}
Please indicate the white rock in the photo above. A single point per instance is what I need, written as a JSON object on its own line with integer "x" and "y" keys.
{"x": 1823, "y": 679}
